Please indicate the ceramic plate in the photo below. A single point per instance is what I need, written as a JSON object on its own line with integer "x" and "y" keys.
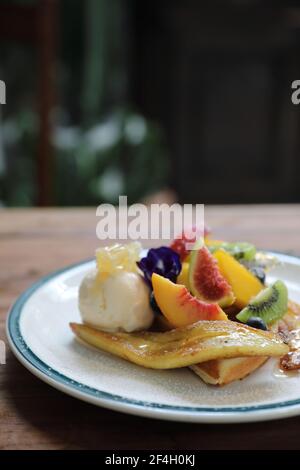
{"x": 39, "y": 335}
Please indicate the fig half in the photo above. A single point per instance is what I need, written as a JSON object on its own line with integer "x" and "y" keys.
{"x": 205, "y": 279}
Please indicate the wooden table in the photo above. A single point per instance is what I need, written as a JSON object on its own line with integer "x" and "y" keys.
{"x": 35, "y": 416}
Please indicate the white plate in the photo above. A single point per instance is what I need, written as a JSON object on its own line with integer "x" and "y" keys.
{"x": 39, "y": 335}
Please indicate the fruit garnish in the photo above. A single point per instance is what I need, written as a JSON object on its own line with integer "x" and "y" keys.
{"x": 183, "y": 243}
{"x": 270, "y": 304}
{"x": 179, "y": 306}
{"x": 259, "y": 273}
{"x": 163, "y": 261}
{"x": 199, "y": 342}
{"x": 265, "y": 260}
{"x": 117, "y": 258}
{"x": 244, "y": 284}
{"x": 240, "y": 250}
{"x": 257, "y": 322}
{"x": 205, "y": 279}
{"x": 260, "y": 265}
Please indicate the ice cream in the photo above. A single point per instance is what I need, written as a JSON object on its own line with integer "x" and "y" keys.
{"x": 118, "y": 303}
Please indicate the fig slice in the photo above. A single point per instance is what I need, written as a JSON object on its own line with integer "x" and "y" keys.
{"x": 205, "y": 279}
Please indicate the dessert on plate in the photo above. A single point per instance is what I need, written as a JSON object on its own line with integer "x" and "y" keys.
{"x": 207, "y": 308}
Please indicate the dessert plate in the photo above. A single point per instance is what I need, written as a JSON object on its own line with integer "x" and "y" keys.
{"x": 39, "y": 335}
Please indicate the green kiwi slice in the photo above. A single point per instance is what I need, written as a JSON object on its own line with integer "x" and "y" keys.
{"x": 270, "y": 304}
{"x": 240, "y": 250}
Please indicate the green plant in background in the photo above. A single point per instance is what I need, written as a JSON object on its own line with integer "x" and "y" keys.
{"x": 124, "y": 154}
{"x": 17, "y": 159}
{"x": 102, "y": 147}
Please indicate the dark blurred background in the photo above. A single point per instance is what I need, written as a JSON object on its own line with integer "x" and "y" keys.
{"x": 159, "y": 100}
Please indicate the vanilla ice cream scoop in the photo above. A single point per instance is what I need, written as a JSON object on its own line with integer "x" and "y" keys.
{"x": 118, "y": 303}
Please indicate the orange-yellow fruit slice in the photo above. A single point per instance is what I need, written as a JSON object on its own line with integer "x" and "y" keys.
{"x": 179, "y": 306}
{"x": 244, "y": 284}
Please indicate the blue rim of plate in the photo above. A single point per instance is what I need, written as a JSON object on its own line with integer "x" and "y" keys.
{"x": 15, "y": 338}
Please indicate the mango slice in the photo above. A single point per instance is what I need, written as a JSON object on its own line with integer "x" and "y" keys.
{"x": 199, "y": 342}
{"x": 244, "y": 284}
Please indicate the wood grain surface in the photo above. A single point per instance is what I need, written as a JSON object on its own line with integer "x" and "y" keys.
{"x": 35, "y": 416}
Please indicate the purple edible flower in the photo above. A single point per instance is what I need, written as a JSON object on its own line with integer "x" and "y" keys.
{"x": 163, "y": 261}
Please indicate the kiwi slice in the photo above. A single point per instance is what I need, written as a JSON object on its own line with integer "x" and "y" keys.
{"x": 240, "y": 250}
{"x": 270, "y": 304}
